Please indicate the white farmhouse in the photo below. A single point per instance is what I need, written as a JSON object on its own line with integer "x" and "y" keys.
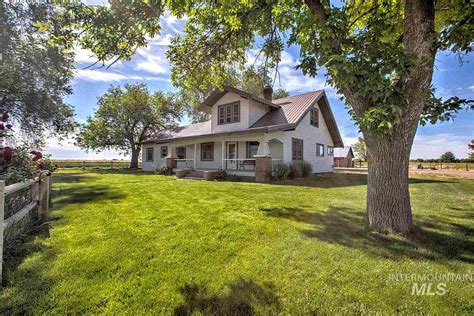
{"x": 244, "y": 128}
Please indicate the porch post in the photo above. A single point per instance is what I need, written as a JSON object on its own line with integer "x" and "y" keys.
{"x": 170, "y": 160}
{"x": 223, "y": 153}
{"x": 263, "y": 163}
{"x": 195, "y": 156}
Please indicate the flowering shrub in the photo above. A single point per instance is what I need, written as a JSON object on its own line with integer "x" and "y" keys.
{"x": 21, "y": 163}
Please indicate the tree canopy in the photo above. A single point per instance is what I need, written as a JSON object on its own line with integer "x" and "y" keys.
{"x": 360, "y": 149}
{"x": 448, "y": 157}
{"x": 126, "y": 117}
{"x": 34, "y": 75}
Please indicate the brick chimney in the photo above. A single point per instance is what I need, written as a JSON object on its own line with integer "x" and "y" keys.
{"x": 268, "y": 92}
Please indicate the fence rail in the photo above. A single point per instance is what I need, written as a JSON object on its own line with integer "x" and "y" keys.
{"x": 35, "y": 210}
{"x": 429, "y": 165}
{"x": 76, "y": 163}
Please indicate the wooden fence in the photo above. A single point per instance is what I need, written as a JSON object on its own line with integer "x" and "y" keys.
{"x": 19, "y": 211}
{"x": 99, "y": 164}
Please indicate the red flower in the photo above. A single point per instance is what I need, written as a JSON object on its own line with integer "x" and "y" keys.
{"x": 2, "y": 127}
{"x": 37, "y": 155}
{"x": 7, "y": 154}
{"x": 5, "y": 116}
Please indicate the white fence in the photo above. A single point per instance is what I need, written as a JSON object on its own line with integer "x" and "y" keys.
{"x": 33, "y": 209}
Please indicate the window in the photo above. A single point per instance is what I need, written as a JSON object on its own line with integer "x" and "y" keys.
{"x": 319, "y": 150}
{"x": 149, "y": 154}
{"x": 164, "y": 151}
{"x": 314, "y": 117}
{"x": 297, "y": 149}
{"x": 229, "y": 113}
{"x": 207, "y": 151}
{"x": 330, "y": 151}
{"x": 181, "y": 152}
{"x": 252, "y": 149}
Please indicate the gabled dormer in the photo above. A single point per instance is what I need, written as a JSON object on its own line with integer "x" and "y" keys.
{"x": 232, "y": 109}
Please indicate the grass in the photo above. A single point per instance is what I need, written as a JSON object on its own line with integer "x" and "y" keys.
{"x": 120, "y": 242}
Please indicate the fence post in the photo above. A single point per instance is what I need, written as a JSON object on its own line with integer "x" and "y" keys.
{"x": 43, "y": 199}
{"x": 2, "y": 220}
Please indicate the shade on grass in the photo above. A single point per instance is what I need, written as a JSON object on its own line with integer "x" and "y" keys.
{"x": 124, "y": 242}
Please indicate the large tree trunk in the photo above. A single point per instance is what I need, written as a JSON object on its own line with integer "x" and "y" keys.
{"x": 134, "y": 161}
{"x": 388, "y": 198}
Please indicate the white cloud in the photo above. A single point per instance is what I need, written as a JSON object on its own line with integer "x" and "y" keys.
{"x": 67, "y": 150}
{"x": 433, "y": 146}
{"x": 109, "y": 76}
{"x": 152, "y": 59}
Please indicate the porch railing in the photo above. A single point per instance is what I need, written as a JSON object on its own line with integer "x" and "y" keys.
{"x": 185, "y": 163}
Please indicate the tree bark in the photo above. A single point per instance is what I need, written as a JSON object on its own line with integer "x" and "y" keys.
{"x": 388, "y": 198}
{"x": 135, "y": 155}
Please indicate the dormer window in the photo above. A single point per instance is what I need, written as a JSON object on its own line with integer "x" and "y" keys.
{"x": 314, "y": 117}
{"x": 229, "y": 113}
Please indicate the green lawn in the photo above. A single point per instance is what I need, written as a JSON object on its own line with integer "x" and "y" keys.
{"x": 135, "y": 243}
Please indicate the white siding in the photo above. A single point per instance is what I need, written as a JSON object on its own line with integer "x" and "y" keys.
{"x": 310, "y": 136}
{"x": 256, "y": 111}
{"x": 250, "y": 112}
{"x": 157, "y": 160}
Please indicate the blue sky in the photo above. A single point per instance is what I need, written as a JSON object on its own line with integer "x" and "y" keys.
{"x": 149, "y": 65}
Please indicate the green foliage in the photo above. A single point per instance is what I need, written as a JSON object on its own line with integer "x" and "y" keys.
{"x": 34, "y": 75}
{"x": 126, "y": 117}
{"x": 163, "y": 169}
{"x": 448, "y": 157}
{"x": 280, "y": 93}
{"x": 295, "y": 170}
{"x": 360, "y": 149}
{"x": 306, "y": 168}
{"x": 281, "y": 171}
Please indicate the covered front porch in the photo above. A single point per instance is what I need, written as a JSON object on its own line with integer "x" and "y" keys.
{"x": 235, "y": 156}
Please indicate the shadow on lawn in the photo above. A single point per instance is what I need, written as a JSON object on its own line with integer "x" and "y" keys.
{"x": 348, "y": 227}
{"x": 81, "y": 195}
{"x": 242, "y": 298}
{"x": 342, "y": 180}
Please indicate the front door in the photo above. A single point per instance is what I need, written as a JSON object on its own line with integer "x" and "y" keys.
{"x": 231, "y": 155}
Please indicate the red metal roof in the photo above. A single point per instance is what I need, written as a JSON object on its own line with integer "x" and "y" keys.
{"x": 291, "y": 109}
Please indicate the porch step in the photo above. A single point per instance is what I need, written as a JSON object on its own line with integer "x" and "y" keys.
{"x": 195, "y": 174}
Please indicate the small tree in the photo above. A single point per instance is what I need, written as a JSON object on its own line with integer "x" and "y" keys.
{"x": 126, "y": 117}
{"x": 447, "y": 157}
{"x": 280, "y": 93}
{"x": 471, "y": 147}
{"x": 360, "y": 149}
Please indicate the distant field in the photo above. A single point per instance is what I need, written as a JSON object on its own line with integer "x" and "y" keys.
{"x": 76, "y": 163}
{"x": 436, "y": 165}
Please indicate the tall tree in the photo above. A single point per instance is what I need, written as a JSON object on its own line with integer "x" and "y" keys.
{"x": 360, "y": 148}
{"x": 126, "y": 117}
{"x": 34, "y": 75}
{"x": 378, "y": 54}
{"x": 447, "y": 157}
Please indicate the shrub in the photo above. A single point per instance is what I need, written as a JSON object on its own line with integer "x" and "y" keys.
{"x": 21, "y": 167}
{"x": 281, "y": 171}
{"x": 163, "y": 169}
{"x": 306, "y": 168}
{"x": 300, "y": 169}
{"x": 295, "y": 170}
{"x": 221, "y": 175}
